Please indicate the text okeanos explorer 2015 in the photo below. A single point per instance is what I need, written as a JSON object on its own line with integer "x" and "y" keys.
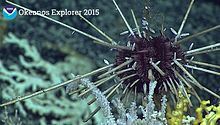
{"x": 61, "y": 13}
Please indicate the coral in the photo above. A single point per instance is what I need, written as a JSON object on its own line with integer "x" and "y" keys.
{"x": 101, "y": 101}
{"x": 206, "y": 114}
{"x": 31, "y": 73}
{"x": 151, "y": 116}
{"x": 8, "y": 119}
{"x": 128, "y": 116}
{"x": 176, "y": 116}
{"x": 211, "y": 116}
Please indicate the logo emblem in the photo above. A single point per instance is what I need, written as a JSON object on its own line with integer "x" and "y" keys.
{"x": 9, "y": 12}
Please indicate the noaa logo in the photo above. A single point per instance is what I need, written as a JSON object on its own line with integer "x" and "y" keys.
{"x": 9, "y": 12}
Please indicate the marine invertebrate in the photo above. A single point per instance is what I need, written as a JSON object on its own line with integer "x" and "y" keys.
{"x": 32, "y": 72}
{"x": 176, "y": 116}
{"x": 128, "y": 116}
{"x": 167, "y": 67}
{"x": 11, "y": 120}
{"x": 154, "y": 54}
{"x": 211, "y": 115}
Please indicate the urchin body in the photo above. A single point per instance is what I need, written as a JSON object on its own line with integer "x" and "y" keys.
{"x": 146, "y": 53}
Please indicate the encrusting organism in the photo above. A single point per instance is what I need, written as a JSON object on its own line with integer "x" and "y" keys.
{"x": 128, "y": 116}
{"x": 147, "y": 57}
{"x": 207, "y": 114}
{"x": 11, "y": 120}
{"x": 176, "y": 116}
{"x": 22, "y": 76}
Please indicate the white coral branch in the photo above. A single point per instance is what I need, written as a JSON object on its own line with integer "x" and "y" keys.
{"x": 102, "y": 101}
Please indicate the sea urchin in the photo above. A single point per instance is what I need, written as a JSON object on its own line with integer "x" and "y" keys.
{"x": 154, "y": 55}
{"x": 144, "y": 59}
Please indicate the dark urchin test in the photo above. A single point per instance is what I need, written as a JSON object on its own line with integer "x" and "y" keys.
{"x": 151, "y": 57}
